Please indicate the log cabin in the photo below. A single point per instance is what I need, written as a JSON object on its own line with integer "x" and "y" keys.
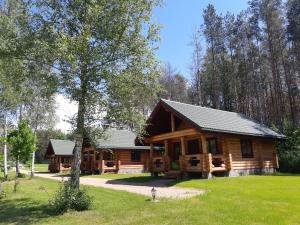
{"x": 116, "y": 152}
{"x": 60, "y": 155}
{"x": 208, "y": 141}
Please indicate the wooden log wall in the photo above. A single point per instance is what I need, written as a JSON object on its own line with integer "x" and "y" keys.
{"x": 263, "y": 153}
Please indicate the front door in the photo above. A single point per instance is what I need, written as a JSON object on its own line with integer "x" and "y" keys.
{"x": 176, "y": 152}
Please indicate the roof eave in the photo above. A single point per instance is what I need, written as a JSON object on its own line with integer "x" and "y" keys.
{"x": 244, "y": 133}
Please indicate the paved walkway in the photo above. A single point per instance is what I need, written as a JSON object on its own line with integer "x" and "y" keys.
{"x": 161, "y": 185}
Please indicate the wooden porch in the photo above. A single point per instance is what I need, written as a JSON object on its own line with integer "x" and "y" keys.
{"x": 110, "y": 161}
{"x": 199, "y": 161}
{"x": 59, "y": 163}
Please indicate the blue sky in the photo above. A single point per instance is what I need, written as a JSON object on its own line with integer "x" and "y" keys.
{"x": 179, "y": 18}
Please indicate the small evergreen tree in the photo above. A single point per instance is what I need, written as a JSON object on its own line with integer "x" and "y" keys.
{"x": 22, "y": 142}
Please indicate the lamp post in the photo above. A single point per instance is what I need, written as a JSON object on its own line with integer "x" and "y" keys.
{"x": 153, "y": 193}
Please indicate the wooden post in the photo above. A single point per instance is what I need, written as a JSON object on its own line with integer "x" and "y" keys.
{"x": 100, "y": 161}
{"x": 94, "y": 160}
{"x": 204, "y": 151}
{"x": 183, "y": 150}
{"x": 166, "y": 155}
{"x": 209, "y": 162}
{"x": 89, "y": 160}
{"x": 275, "y": 160}
{"x": 59, "y": 163}
{"x": 151, "y": 157}
{"x": 229, "y": 162}
{"x": 227, "y": 155}
{"x": 118, "y": 162}
{"x": 172, "y": 122}
{"x": 203, "y": 142}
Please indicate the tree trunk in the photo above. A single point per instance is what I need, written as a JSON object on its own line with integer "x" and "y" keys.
{"x": 17, "y": 167}
{"x": 75, "y": 173}
{"x": 5, "y": 149}
{"x": 32, "y": 163}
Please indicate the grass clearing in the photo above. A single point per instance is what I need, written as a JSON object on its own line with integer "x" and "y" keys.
{"x": 241, "y": 200}
{"x": 39, "y": 167}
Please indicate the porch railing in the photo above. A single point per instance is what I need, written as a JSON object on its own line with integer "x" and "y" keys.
{"x": 193, "y": 162}
{"x": 158, "y": 164}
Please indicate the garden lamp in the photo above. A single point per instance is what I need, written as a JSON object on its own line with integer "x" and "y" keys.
{"x": 153, "y": 193}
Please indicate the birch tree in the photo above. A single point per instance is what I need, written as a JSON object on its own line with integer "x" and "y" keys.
{"x": 95, "y": 42}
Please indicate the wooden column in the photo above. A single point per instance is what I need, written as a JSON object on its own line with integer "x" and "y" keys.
{"x": 183, "y": 151}
{"x": 94, "y": 160}
{"x": 59, "y": 163}
{"x": 151, "y": 156}
{"x": 203, "y": 142}
{"x": 229, "y": 162}
{"x": 205, "y": 151}
{"x": 118, "y": 161}
{"x": 275, "y": 160}
{"x": 100, "y": 167}
{"x": 261, "y": 156}
{"x": 166, "y": 155}
{"x": 209, "y": 163}
{"x": 227, "y": 154}
{"x": 89, "y": 160}
{"x": 172, "y": 122}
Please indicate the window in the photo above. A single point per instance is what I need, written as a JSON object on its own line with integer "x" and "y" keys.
{"x": 108, "y": 155}
{"x": 212, "y": 146}
{"x": 246, "y": 148}
{"x": 193, "y": 147}
{"x": 136, "y": 156}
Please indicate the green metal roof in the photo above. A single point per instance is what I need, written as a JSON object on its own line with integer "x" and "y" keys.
{"x": 220, "y": 121}
{"x": 62, "y": 147}
{"x": 118, "y": 139}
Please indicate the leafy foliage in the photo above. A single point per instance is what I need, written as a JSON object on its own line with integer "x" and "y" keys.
{"x": 289, "y": 150}
{"x": 22, "y": 142}
{"x": 67, "y": 198}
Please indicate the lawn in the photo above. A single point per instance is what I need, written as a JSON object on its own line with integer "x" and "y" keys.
{"x": 40, "y": 167}
{"x": 242, "y": 200}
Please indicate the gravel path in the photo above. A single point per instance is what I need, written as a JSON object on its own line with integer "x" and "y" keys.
{"x": 161, "y": 185}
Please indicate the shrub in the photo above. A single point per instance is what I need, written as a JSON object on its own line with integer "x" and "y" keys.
{"x": 69, "y": 198}
{"x": 289, "y": 149}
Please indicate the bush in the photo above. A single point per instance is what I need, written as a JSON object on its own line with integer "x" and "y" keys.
{"x": 289, "y": 149}
{"x": 68, "y": 198}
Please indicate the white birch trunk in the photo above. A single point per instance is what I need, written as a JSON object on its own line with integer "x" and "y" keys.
{"x": 5, "y": 149}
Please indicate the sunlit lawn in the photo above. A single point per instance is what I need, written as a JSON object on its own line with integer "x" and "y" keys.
{"x": 40, "y": 167}
{"x": 242, "y": 200}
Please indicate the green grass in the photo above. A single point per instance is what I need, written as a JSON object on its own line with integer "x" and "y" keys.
{"x": 40, "y": 167}
{"x": 243, "y": 200}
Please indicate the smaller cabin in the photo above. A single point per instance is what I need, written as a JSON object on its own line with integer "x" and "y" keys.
{"x": 60, "y": 155}
{"x": 116, "y": 152}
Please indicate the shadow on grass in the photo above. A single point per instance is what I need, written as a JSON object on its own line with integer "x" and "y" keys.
{"x": 147, "y": 181}
{"x": 23, "y": 211}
